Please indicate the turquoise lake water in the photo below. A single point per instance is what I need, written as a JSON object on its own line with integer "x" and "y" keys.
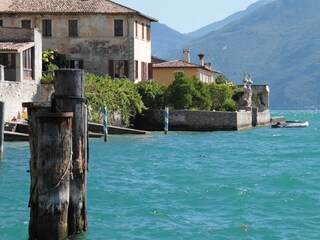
{"x": 261, "y": 183}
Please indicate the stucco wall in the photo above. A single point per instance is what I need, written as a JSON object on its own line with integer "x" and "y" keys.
{"x": 96, "y": 44}
{"x": 166, "y": 75}
{"x": 14, "y": 94}
{"x": 184, "y": 120}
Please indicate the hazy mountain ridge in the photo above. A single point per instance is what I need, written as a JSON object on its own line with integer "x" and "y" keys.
{"x": 165, "y": 39}
{"x": 279, "y": 44}
{"x": 220, "y": 24}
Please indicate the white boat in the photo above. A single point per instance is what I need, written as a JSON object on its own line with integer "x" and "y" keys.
{"x": 291, "y": 124}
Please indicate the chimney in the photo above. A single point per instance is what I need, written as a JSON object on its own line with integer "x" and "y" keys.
{"x": 207, "y": 65}
{"x": 201, "y": 56}
{"x": 186, "y": 55}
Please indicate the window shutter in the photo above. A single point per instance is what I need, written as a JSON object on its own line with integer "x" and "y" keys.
{"x": 150, "y": 71}
{"x": 126, "y": 69}
{"x": 111, "y": 69}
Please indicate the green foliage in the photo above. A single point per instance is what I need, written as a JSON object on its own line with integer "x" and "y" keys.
{"x": 222, "y": 79}
{"x": 53, "y": 57}
{"x": 119, "y": 95}
{"x": 51, "y": 61}
{"x": 189, "y": 93}
{"x": 154, "y": 96}
{"x": 221, "y": 96}
{"x": 255, "y": 99}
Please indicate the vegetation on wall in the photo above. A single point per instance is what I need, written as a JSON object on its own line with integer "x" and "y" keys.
{"x": 119, "y": 95}
{"x": 128, "y": 99}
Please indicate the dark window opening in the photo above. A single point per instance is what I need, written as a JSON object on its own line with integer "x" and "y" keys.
{"x": 46, "y": 28}
{"x": 136, "y": 28}
{"x": 77, "y": 64}
{"x": 136, "y": 69}
{"x": 26, "y": 24}
{"x": 1, "y": 23}
{"x": 142, "y": 30}
{"x": 118, "y": 28}
{"x": 118, "y": 68}
{"x": 73, "y": 28}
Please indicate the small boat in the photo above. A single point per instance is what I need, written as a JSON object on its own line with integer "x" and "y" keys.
{"x": 291, "y": 124}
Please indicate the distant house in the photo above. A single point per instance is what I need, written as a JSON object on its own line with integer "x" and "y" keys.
{"x": 163, "y": 72}
{"x": 99, "y": 36}
{"x": 20, "y": 68}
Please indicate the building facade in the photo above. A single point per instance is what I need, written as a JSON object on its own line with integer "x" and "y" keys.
{"x": 20, "y": 68}
{"x": 164, "y": 71}
{"x": 99, "y": 36}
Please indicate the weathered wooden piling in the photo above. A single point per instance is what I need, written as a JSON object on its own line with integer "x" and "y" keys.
{"x": 69, "y": 97}
{"x": 2, "y": 110}
{"x": 50, "y": 171}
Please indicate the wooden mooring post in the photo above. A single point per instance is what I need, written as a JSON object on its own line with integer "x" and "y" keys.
{"x": 69, "y": 97}
{"x": 59, "y": 142}
{"x": 49, "y": 196}
{"x": 2, "y": 111}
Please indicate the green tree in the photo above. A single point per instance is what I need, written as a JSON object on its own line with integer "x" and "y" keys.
{"x": 221, "y": 96}
{"x": 154, "y": 96}
{"x": 222, "y": 79}
{"x": 189, "y": 93}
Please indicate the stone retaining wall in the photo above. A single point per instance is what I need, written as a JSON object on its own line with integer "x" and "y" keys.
{"x": 186, "y": 120}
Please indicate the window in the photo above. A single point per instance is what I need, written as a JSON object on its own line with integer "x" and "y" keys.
{"x": 73, "y": 28}
{"x": 26, "y": 24}
{"x": 118, "y": 28}
{"x": 136, "y": 69}
{"x": 77, "y": 64}
{"x": 1, "y": 23}
{"x": 8, "y": 60}
{"x": 118, "y": 69}
{"x": 27, "y": 64}
{"x": 136, "y": 28}
{"x": 46, "y": 28}
{"x": 142, "y": 30}
{"x": 148, "y": 33}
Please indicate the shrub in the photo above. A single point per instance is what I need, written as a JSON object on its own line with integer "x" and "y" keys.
{"x": 119, "y": 95}
{"x": 189, "y": 93}
{"x": 154, "y": 96}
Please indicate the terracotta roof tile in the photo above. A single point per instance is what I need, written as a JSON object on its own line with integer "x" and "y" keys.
{"x": 181, "y": 64}
{"x": 66, "y": 6}
{"x": 15, "y": 47}
{"x": 16, "y": 35}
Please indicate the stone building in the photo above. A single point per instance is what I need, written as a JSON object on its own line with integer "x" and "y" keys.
{"x": 99, "y": 36}
{"x": 20, "y": 68}
{"x": 164, "y": 71}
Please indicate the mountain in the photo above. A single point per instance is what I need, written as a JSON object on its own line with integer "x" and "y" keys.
{"x": 279, "y": 44}
{"x": 220, "y": 24}
{"x": 166, "y": 39}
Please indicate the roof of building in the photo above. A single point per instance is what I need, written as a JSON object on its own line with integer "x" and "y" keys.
{"x": 181, "y": 64}
{"x": 67, "y": 6}
{"x": 15, "y": 47}
{"x": 16, "y": 34}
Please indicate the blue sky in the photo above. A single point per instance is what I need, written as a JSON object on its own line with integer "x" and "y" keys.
{"x": 187, "y": 15}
